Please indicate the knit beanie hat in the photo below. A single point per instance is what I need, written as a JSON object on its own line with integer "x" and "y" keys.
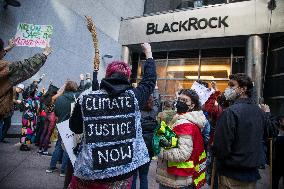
{"x": 118, "y": 67}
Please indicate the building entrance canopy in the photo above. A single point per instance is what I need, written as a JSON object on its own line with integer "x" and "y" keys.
{"x": 235, "y": 19}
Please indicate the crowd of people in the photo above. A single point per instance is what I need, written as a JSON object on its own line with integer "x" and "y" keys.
{"x": 222, "y": 143}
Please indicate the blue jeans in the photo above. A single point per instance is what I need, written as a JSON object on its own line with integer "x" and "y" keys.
{"x": 59, "y": 152}
{"x": 143, "y": 173}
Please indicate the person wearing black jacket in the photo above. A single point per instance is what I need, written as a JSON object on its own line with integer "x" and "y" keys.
{"x": 149, "y": 123}
{"x": 62, "y": 111}
{"x": 238, "y": 142}
{"x": 119, "y": 102}
{"x": 278, "y": 155}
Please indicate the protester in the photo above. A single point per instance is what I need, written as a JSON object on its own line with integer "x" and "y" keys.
{"x": 184, "y": 166}
{"x": 239, "y": 137}
{"x": 28, "y": 120}
{"x": 116, "y": 103}
{"x": 278, "y": 155}
{"x": 7, "y": 119}
{"x": 62, "y": 112}
{"x": 33, "y": 85}
{"x": 13, "y": 73}
{"x": 50, "y": 121}
{"x": 148, "y": 124}
{"x": 84, "y": 86}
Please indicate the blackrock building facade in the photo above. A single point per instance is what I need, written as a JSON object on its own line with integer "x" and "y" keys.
{"x": 210, "y": 43}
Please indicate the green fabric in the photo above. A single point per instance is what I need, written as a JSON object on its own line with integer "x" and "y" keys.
{"x": 22, "y": 70}
{"x": 163, "y": 137}
{"x": 63, "y": 105}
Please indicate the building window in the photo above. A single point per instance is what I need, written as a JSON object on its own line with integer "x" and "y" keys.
{"x": 179, "y": 69}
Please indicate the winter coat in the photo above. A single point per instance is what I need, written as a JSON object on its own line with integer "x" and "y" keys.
{"x": 238, "y": 142}
{"x": 13, "y": 73}
{"x": 180, "y": 154}
{"x": 149, "y": 124}
{"x": 114, "y": 86}
{"x": 63, "y": 105}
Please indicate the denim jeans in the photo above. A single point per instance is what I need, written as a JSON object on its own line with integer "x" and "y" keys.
{"x": 58, "y": 151}
{"x": 143, "y": 173}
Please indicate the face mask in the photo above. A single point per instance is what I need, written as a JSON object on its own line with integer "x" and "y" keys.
{"x": 181, "y": 107}
{"x": 230, "y": 94}
{"x": 88, "y": 81}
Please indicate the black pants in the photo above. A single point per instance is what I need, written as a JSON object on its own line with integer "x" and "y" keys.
{"x": 6, "y": 126}
{"x": 276, "y": 175}
{"x": 68, "y": 174}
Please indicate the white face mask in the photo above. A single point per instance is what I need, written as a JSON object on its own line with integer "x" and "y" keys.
{"x": 88, "y": 81}
{"x": 230, "y": 93}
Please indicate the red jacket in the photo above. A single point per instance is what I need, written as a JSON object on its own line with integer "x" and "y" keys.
{"x": 196, "y": 164}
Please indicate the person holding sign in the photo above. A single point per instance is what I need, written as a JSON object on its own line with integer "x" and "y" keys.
{"x": 110, "y": 120}
{"x": 13, "y": 73}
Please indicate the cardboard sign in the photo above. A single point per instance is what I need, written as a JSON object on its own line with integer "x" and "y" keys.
{"x": 33, "y": 35}
{"x": 68, "y": 139}
{"x": 203, "y": 92}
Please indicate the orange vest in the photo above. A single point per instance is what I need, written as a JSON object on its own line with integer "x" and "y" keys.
{"x": 195, "y": 166}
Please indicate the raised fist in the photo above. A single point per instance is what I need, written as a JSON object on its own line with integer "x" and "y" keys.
{"x": 47, "y": 50}
{"x": 146, "y": 48}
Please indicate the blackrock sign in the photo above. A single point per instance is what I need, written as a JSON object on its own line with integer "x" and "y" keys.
{"x": 187, "y": 25}
{"x": 233, "y": 19}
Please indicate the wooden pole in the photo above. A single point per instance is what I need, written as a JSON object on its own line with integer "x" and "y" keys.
{"x": 96, "y": 62}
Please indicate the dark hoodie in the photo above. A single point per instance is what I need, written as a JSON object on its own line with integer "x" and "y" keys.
{"x": 117, "y": 84}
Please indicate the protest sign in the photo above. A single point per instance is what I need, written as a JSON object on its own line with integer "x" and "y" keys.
{"x": 33, "y": 35}
{"x": 68, "y": 139}
{"x": 203, "y": 92}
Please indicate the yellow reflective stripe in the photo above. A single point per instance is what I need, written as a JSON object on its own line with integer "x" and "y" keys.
{"x": 162, "y": 130}
{"x": 199, "y": 179}
{"x": 188, "y": 164}
{"x": 197, "y": 168}
{"x": 174, "y": 141}
{"x": 202, "y": 156}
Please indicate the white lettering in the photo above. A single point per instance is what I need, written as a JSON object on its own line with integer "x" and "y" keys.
{"x": 128, "y": 123}
{"x": 91, "y": 128}
{"x": 104, "y": 157}
{"x": 88, "y": 107}
{"x": 100, "y": 132}
{"x": 127, "y": 102}
{"x": 124, "y": 155}
{"x": 94, "y": 104}
{"x": 112, "y": 154}
{"x": 114, "y": 103}
{"x": 105, "y": 128}
{"x": 122, "y": 131}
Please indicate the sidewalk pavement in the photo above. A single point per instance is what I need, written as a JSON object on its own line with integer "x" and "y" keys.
{"x": 26, "y": 170}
